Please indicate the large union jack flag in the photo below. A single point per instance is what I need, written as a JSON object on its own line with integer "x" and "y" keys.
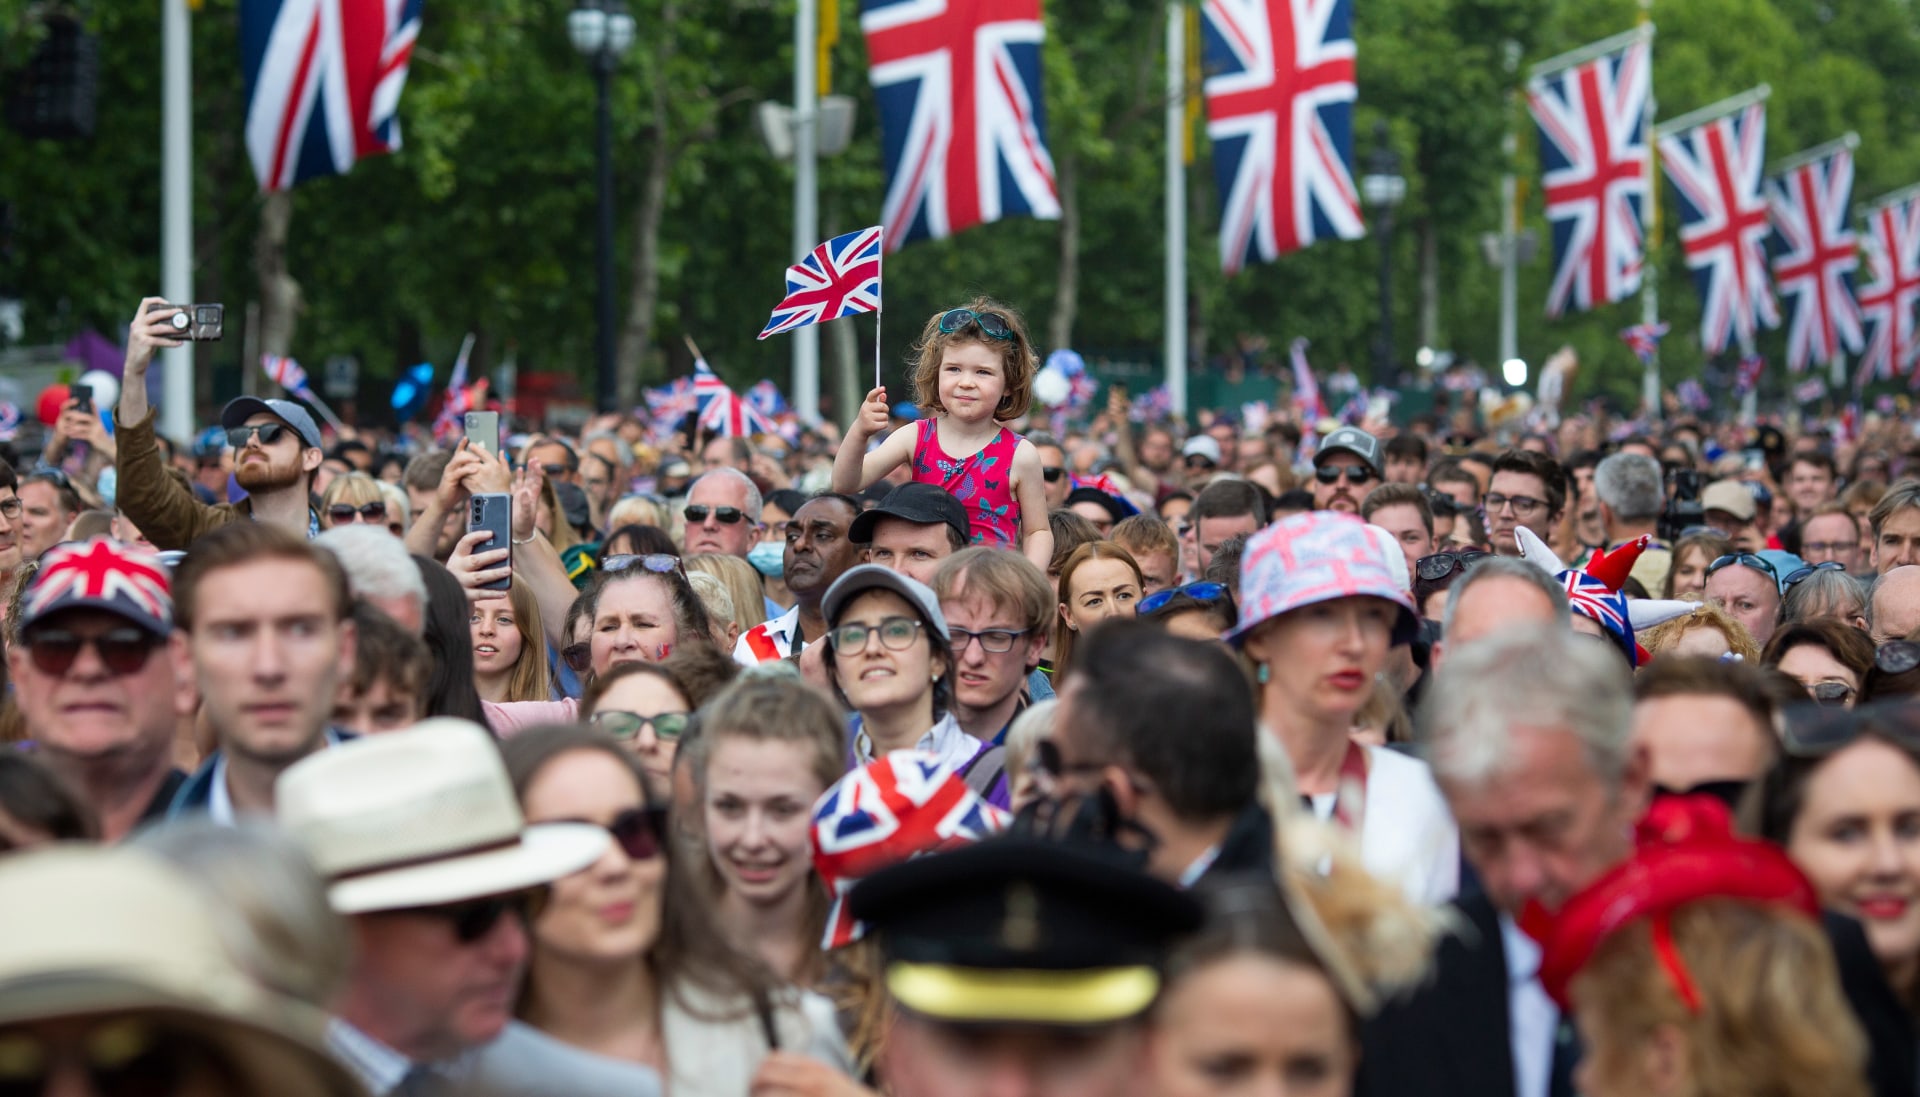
{"x": 1716, "y": 169}
{"x": 1815, "y": 255}
{"x": 894, "y": 808}
{"x": 1280, "y": 93}
{"x": 838, "y": 278}
{"x": 323, "y": 83}
{"x": 1593, "y": 149}
{"x": 962, "y": 124}
{"x": 1892, "y": 240}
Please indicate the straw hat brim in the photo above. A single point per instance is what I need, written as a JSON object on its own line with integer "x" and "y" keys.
{"x": 545, "y": 853}
{"x": 268, "y": 1059}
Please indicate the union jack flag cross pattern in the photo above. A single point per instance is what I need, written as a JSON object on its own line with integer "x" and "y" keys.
{"x": 1594, "y": 156}
{"x": 1716, "y": 170}
{"x": 1887, "y": 301}
{"x": 838, "y": 278}
{"x": 101, "y": 571}
{"x": 1815, "y": 255}
{"x": 286, "y": 373}
{"x": 1644, "y": 340}
{"x": 1280, "y": 94}
{"x": 323, "y": 83}
{"x": 962, "y": 122}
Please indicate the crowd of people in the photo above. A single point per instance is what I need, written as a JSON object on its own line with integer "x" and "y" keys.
{"x": 954, "y": 756}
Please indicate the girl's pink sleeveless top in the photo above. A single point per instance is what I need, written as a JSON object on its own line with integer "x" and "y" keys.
{"x": 983, "y": 483}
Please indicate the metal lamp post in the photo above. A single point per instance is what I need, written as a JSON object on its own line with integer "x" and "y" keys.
{"x": 602, "y": 31}
{"x": 1382, "y": 188}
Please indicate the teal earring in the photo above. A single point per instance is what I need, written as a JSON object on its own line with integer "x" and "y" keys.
{"x": 1264, "y": 674}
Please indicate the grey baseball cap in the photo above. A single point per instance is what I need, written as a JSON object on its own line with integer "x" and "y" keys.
{"x": 866, "y": 577}
{"x": 1355, "y": 441}
{"x": 238, "y": 411}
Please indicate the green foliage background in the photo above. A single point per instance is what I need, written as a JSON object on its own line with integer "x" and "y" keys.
{"x": 484, "y": 220}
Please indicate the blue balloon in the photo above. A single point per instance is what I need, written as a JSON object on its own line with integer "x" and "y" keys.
{"x": 410, "y": 392}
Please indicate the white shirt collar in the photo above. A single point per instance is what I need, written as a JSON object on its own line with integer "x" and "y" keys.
{"x": 220, "y": 801}
{"x": 380, "y": 1068}
{"x": 1522, "y": 951}
{"x": 946, "y": 739}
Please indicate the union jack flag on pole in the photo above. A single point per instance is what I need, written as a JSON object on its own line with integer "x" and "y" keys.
{"x": 728, "y": 416}
{"x": 1280, "y": 115}
{"x": 1644, "y": 340}
{"x": 323, "y": 83}
{"x": 1887, "y": 301}
{"x": 1816, "y": 253}
{"x": 286, "y": 373}
{"x": 838, "y": 278}
{"x": 1715, "y": 158}
{"x": 1307, "y": 401}
{"x": 1592, "y": 110}
{"x": 962, "y": 123}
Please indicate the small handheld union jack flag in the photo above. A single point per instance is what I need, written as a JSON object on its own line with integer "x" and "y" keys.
{"x": 1644, "y": 340}
{"x": 286, "y": 373}
{"x": 838, "y": 278}
{"x": 1746, "y": 376}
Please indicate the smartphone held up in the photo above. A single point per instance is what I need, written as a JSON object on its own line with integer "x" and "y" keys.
{"x": 194, "y": 323}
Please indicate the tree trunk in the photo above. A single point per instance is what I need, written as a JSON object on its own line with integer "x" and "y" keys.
{"x": 643, "y": 299}
{"x": 1429, "y": 283}
{"x": 280, "y": 296}
{"x": 1066, "y": 300}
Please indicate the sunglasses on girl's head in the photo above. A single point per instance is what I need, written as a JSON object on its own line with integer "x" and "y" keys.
{"x": 125, "y": 1057}
{"x": 269, "y": 434}
{"x": 667, "y": 727}
{"x": 1744, "y": 559}
{"x": 726, "y": 516}
{"x": 1804, "y": 572}
{"x": 1355, "y": 474}
{"x": 990, "y": 323}
{"x": 122, "y": 650}
{"x": 342, "y": 513}
{"x": 1442, "y": 564}
{"x": 475, "y": 918}
{"x": 1199, "y": 592}
{"x": 641, "y": 833}
{"x": 1815, "y": 731}
{"x": 657, "y": 562}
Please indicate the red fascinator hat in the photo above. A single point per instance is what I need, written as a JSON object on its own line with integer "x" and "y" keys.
{"x": 1685, "y": 851}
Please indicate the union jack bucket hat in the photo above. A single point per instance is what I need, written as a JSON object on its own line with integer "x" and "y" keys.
{"x": 1319, "y": 556}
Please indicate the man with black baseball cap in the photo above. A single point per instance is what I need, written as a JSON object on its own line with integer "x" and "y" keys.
{"x": 1019, "y": 961}
{"x": 1346, "y": 467}
{"x": 276, "y": 452}
{"x": 912, "y": 530}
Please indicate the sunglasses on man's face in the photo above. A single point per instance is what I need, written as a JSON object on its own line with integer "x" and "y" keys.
{"x": 121, "y": 1057}
{"x": 122, "y": 651}
{"x": 343, "y": 513}
{"x": 990, "y": 323}
{"x": 1355, "y": 474}
{"x": 726, "y": 516}
{"x": 1052, "y": 473}
{"x": 475, "y": 918}
{"x": 269, "y": 433}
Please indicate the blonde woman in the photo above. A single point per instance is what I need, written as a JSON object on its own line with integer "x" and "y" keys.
{"x": 353, "y": 497}
{"x": 509, "y": 654}
{"x": 742, "y": 582}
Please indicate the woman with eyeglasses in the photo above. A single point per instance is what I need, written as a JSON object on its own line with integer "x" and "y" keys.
{"x": 353, "y": 497}
{"x": 1321, "y": 607}
{"x": 1691, "y": 555}
{"x": 1747, "y": 586}
{"x": 1829, "y": 659}
{"x": 1098, "y": 582}
{"x": 509, "y": 653}
{"x": 1843, "y": 800}
{"x": 624, "y": 962}
{"x": 645, "y": 707}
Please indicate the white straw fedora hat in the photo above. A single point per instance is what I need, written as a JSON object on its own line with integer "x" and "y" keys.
{"x": 421, "y": 818}
{"x": 118, "y": 933}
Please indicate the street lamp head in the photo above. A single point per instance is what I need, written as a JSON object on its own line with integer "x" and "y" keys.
{"x": 587, "y": 28}
{"x": 620, "y": 29}
{"x": 1514, "y": 372}
{"x": 1382, "y": 188}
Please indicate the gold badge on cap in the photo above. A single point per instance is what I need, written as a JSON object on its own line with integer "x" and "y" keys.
{"x": 1020, "y": 932}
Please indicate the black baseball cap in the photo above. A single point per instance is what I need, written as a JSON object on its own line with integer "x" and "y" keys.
{"x": 921, "y": 504}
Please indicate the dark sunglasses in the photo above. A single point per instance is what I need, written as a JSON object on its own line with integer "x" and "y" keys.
{"x": 125, "y": 1057}
{"x": 1199, "y": 592}
{"x": 1052, "y": 474}
{"x": 726, "y": 516}
{"x": 1355, "y": 474}
{"x": 1442, "y": 564}
{"x": 658, "y": 563}
{"x": 475, "y": 918}
{"x": 1815, "y": 731}
{"x": 578, "y": 657}
{"x": 667, "y": 727}
{"x": 1830, "y": 693}
{"x": 1896, "y": 657}
{"x": 269, "y": 434}
{"x": 641, "y": 833}
{"x": 342, "y": 513}
{"x": 1805, "y": 572}
{"x": 1744, "y": 559}
{"x": 122, "y": 650}
{"x": 990, "y": 323}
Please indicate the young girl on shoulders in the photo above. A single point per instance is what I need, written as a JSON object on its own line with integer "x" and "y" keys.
{"x": 975, "y": 372}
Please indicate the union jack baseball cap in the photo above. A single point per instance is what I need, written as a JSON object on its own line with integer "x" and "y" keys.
{"x": 101, "y": 574}
{"x": 1315, "y": 557}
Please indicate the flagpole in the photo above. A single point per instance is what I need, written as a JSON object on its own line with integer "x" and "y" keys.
{"x": 1649, "y": 267}
{"x": 806, "y": 194}
{"x": 176, "y": 208}
{"x": 1175, "y": 319}
{"x": 881, "y": 266}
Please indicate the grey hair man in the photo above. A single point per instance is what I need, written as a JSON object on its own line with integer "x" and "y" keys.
{"x": 380, "y": 571}
{"x": 1893, "y": 608}
{"x": 1499, "y": 593}
{"x": 1632, "y": 493}
{"x": 723, "y": 513}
